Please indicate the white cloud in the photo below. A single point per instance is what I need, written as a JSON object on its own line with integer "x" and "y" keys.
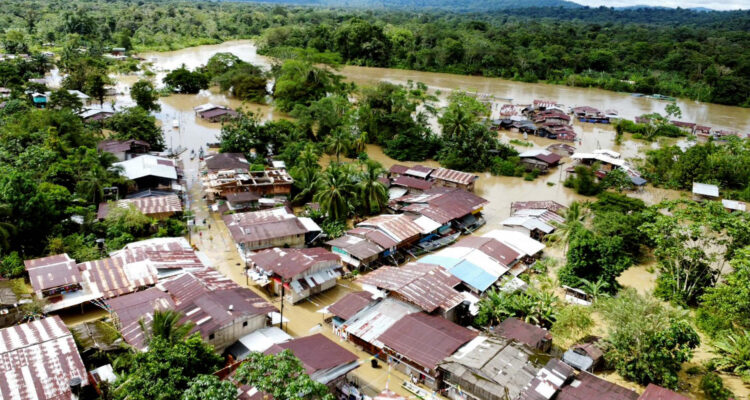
{"x": 714, "y": 4}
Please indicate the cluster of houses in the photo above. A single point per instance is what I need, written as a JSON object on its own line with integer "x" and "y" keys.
{"x": 542, "y": 118}
{"x": 232, "y": 187}
{"x": 607, "y": 161}
{"x": 702, "y": 132}
{"x": 402, "y": 180}
{"x": 593, "y": 115}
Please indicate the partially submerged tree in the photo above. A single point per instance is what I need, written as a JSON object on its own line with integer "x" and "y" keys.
{"x": 282, "y": 376}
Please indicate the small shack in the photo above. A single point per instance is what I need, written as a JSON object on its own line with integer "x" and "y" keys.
{"x": 704, "y": 191}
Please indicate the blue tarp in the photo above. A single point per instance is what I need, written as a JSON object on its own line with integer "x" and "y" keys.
{"x": 473, "y": 275}
{"x": 445, "y": 262}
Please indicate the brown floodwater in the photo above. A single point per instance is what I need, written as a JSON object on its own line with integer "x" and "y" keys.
{"x": 194, "y": 133}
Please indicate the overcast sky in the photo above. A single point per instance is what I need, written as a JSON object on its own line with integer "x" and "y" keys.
{"x": 715, "y": 4}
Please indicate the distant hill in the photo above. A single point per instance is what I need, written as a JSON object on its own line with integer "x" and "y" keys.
{"x": 453, "y": 5}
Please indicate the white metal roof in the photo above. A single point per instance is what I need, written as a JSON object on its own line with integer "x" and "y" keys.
{"x": 309, "y": 224}
{"x": 370, "y": 323}
{"x": 599, "y": 157}
{"x": 262, "y": 339}
{"x": 529, "y": 223}
{"x": 734, "y": 205}
{"x": 607, "y": 152}
{"x": 534, "y": 153}
{"x": 426, "y": 225}
{"x": 705, "y": 189}
{"x": 148, "y": 165}
{"x": 517, "y": 241}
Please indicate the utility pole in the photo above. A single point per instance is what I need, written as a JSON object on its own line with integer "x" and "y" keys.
{"x": 281, "y": 320}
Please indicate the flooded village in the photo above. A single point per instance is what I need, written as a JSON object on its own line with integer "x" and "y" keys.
{"x": 387, "y": 307}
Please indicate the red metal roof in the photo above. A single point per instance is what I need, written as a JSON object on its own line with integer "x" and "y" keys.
{"x": 450, "y": 175}
{"x": 425, "y": 339}
{"x": 398, "y": 169}
{"x": 316, "y": 352}
{"x": 38, "y": 360}
{"x": 410, "y": 182}
{"x": 425, "y": 285}
{"x": 350, "y": 304}
{"x": 289, "y": 263}
{"x": 654, "y": 392}
{"x": 587, "y": 386}
{"x": 514, "y": 328}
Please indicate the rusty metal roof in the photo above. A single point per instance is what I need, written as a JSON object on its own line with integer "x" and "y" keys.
{"x": 399, "y": 227}
{"x": 514, "y": 328}
{"x": 425, "y": 285}
{"x": 316, "y": 352}
{"x": 38, "y": 360}
{"x": 373, "y": 235}
{"x": 289, "y": 263}
{"x": 655, "y": 392}
{"x": 131, "y": 308}
{"x": 108, "y": 276}
{"x": 398, "y": 169}
{"x": 441, "y": 204}
{"x": 119, "y": 146}
{"x": 450, "y": 175}
{"x": 350, "y": 304}
{"x": 586, "y": 386}
{"x": 257, "y": 226}
{"x": 412, "y": 183}
{"x": 356, "y": 246}
{"x": 425, "y": 339}
{"x": 53, "y": 271}
{"x": 491, "y": 247}
{"x": 146, "y": 205}
{"x": 222, "y": 161}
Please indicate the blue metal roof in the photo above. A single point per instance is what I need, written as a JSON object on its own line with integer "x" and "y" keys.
{"x": 445, "y": 262}
{"x": 473, "y": 275}
{"x": 637, "y": 180}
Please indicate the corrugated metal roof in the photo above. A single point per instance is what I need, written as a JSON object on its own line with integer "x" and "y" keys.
{"x": 491, "y": 247}
{"x": 221, "y": 161}
{"x": 549, "y": 205}
{"x": 258, "y": 226}
{"x": 494, "y": 365}
{"x": 734, "y": 205}
{"x": 289, "y": 263}
{"x": 531, "y": 335}
{"x": 146, "y": 205}
{"x": 517, "y": 241}
{"x": 371, "y": 322}
{"x": 399, "y": 227}
{"x": 148, "y": 165}
{"x": 587, "y": 386}
{"x": 53, "y": 271}
{"x": 474, "y": 275}
{"x": 419, "y": 171}
{"x": 425, "y": 339}
{"x": 38, "y": 360}
{"x": 316, "y": 352}
{"x": 349, "y": 305}
{"x": 426, "y": 285}
{"x": 356, "y": 246}
{"x": 131, "y": 308}
{"x": 450, "y": 175}
{"x": 442, "y": 204}
{"x": 548, "y": 381}
{"x": 410, "y": 182}
{"x": 655, "y": 392}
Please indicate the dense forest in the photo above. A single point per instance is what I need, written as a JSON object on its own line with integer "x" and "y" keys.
{"x": 699, "y": 55}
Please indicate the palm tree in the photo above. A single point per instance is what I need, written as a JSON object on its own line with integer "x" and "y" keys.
{"x": 338, "y": 142}
{"x": 734, "y": 353}
{"x": 359, "y": 144}
{"x": 335, "y": 192}
{"x": 574, "y": 217}
{"x": 166, "y": 325}
{"x": 373, "y": 194}
{"x": 456, "y": 121}
{"x": 593, "y": 289}
{"x": 305, "y": 181}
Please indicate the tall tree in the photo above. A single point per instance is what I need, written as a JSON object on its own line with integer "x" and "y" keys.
{"x": 145, "y": 96}
{"x": 282, "y": 376}
{"x": 373, "y": 194}
{"x": 335, "y": 192}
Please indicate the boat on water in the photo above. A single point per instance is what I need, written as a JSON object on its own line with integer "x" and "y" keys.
{"x": 436, "y": 244}
{"x": 662, "y": 97}
{"x": 175, "y": 123}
